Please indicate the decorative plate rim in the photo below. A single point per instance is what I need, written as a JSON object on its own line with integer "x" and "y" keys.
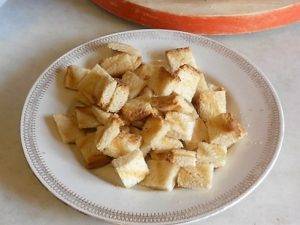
{"x": 194, "y": 213}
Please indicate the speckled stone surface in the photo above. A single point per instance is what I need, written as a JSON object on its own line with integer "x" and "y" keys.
{"x": 34, "y": 33}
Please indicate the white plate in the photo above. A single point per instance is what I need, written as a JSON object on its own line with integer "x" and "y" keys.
{"x": 251, "y": 98}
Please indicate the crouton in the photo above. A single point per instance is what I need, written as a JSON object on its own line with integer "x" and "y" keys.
{"x": 181, "y": 125}
{"x": 210, "y": 103}
{"x": 86, "y": 118}
{"x": 136, "y": 109}
{"x": 173, "y": 102}
{"x": 67, "y": 128}
{"x": 199, "y": 134}
{"x": 158, "y": 79}
{"x": 138, "y": 123}
{"x": 131, "y": 168}
{"x": 118, "y": 64}
{"x": 125, "y": 48}
{"x": 119, "y": 98}
{"x": 162, "y": 175}
{"x": 189, "y": 79}
{"x": 146, "y": 92}
{"x": 183, "y": 158}
{"x": 106, "y": 134}
{"x": 167, "y": 143}
{"x": 84, "y": 100}
{"x": 93, "y": 158}
{"x": 224, "y": 130}
{"x": 161, "y": 155}
{"x": 105, "y": 88}
{"x": 180, "y": 56}
{"x": 73, "y": 76}
{"x": 134, "y": 82}
{"x": 196, "y": 177}
{"x": 134, "y": 130}
{"x": 154, "y": 130}
{"x": 211, "y": 153}
{"x": 102, "y": 116}
{"x": 202, "y": 84}
{"x": 124, "y": 143}
{"x": 213, "y": 87}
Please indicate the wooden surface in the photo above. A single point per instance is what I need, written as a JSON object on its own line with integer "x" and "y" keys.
{"x": 215, "y": 17}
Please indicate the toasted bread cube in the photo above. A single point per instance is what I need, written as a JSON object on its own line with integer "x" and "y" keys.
{"x": 121, "y": 47}
{"x": 224, "y": 130}
{"x": 181, "y": 125}
{"x": 86, "y": 118}
{"x": 162, "y": 175}
{"x": 119, "y": 98}
{"x": 118, "y": 64}
{"x": 183, "y": 158}
{"x": 202, "y": 84}
{"x": 146, "y": 92}
{"x": 196, "y": 177}
{"x": 189, "y": 79}
{"x": 158, "y": 79}
{"x": 163, "y": 82}
{"x": 102, "y": 116}
{"x": 136, "y": 109}
{"x": 134, "y": 130}
{"x": 167, "y": 143}
{"x": 138, "y": 123}
{"x": 134, "y": 82}
{"x": 173, "y": 102}
{"x": 93, "y": 158}
{"x": 84, "y": 100}
{"x": 124, "y": 143}
{"x": 67, "y": 128}
{"x": 199, "y": 134}
{"x": 73, "y": 76}
{"x": 213, "y": 87}
{"x": 210, "y": 103}
{"x": 131, "y": 168}
{"x": 154, "y": 130}
{"x": 105, "y": 88}
{"x": 161, "y": 155}
{"x": 180, "y": 56}
{"x": 211, "y": 153}
{"x": 105, "y": 135}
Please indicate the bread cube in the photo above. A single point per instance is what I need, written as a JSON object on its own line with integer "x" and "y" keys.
{"x": 180, "y": 56}
{"x": 196, "y": 177}
{"x": 134, "y": 82}
{"x": 73, "y": 76}
{"x": 136, "y": 109}
{"x": 161, "y": 155}
{"x": 146, "y": 92}
{"x": 119, "y": 97}
{"x": 199, "y": 134}
{"x": 181, "y": 125}
{"x": 83, "y": 99}
{"x": 67, "y": 128}
{"x": 167, "y": 143}
{"x": 211, "y": 153}
{"x": 210, "y": 103}
{"x": 106, "y": 134}
{"x": 102, "y": 116}
{"x": 118, "y": 64}
{"x": 158, "y": 79}
{"x": 189, "y": 79}
{"x": 173, "y": 102}
{"x": 93, "y": 158}
{"x": 131, "y": 168}
{"x": 224, "y": 130}
{"x": 86, "y": 118}
{"x": 153, "y": 131}
{"x": 183, "y": 158}
{"x": 162, "y": 175}
{"x": 121, "y": 47}
{"x": 124, "y": 143}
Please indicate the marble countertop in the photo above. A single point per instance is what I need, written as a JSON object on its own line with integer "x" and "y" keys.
{"x": 34, "y": 33}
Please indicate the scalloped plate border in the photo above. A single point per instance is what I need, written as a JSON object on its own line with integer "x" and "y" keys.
{"x": 197, "y": 212}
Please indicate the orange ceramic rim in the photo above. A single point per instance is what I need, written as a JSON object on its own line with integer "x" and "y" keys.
{"x": 211, "y": 25}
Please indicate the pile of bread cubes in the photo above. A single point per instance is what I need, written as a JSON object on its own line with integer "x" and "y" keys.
{"x": 159, "y": 124}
